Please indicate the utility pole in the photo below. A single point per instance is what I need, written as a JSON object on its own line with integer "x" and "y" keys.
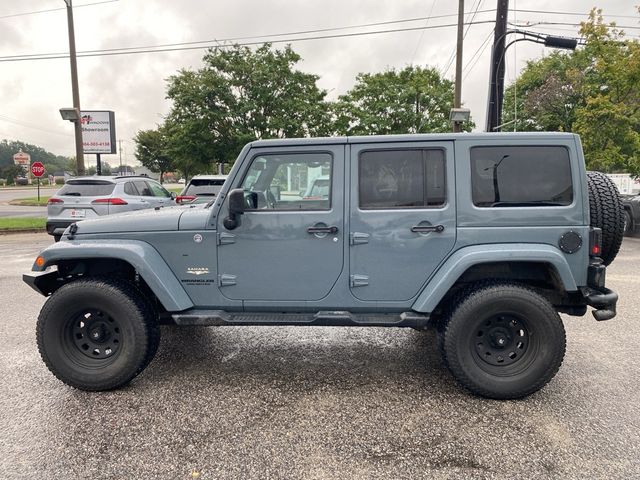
{"x": 496, "y": 74}
{"x": 75, "y": 89}
{"x": 457, "y": 97}
{"x": 120, "y": 150}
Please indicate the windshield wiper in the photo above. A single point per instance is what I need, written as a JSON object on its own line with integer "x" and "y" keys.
{"x": 73, "y": 194}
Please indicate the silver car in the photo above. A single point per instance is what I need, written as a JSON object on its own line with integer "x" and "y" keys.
{"x": 91, "y": 197}
{"x": 201, "y": 189}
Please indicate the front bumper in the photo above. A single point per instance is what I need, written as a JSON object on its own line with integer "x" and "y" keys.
{"x": 44, "y": 283}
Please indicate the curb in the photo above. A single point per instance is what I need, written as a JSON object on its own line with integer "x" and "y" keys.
{"x": 23, "y": 230}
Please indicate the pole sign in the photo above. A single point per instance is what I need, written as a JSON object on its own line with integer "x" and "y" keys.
{"x": 37, "y": 169}
{"x": 22, "y": 159}
{"x": 98, "y": 131}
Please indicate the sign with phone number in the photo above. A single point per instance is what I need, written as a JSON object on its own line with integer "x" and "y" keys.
{"x": 98, "y": 131}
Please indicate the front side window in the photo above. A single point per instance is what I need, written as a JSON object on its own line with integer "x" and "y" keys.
{"x": 409, "y": 178}
{"x": 521, "y": 176}
{"x": 298, "y": 181}
{"x": 158, "y": 190}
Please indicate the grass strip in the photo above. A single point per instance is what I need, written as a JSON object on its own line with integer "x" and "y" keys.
{"x": 30, "y": 201}
{"x": 21, "y": 223}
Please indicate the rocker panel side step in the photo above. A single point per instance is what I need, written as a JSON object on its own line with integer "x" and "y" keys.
{"x": 319, "y": 319}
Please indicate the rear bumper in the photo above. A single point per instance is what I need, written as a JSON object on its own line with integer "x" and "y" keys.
{"x": 602, "y": 300}
{"x": 57, "y": 227}
{"x": 596, "y": 295}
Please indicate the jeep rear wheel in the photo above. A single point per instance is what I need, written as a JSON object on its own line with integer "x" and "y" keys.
{"x": 96, "y": 334}
{"x": 503, "y": 341}
{"x": 607, "y": 213}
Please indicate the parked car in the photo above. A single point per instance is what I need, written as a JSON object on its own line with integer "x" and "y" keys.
{"x": 485, "y": 237}
{"x": 201, "y": 189}
{"x": 631, "y": 204}
{"x": 90, "y": 197}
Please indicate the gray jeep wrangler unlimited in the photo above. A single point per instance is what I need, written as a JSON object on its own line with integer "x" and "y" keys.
{"x": 486, "y": 237}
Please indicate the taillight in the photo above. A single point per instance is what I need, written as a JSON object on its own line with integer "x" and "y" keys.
{"x": 185, "y": 198}
{"x": 53, "y": 201}
{"x": 595, "y": 242}
{"x": 109, "y": 201}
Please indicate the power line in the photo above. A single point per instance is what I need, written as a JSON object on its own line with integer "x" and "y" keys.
{"x": 550, "y": 28}
{"x": 477, "y": 55}
{"x": 13, "y": 15}
{"x": 415, "y": 51}
{"x": 547, "y": 12}
{"x": 233, "y": 39}
{"x": 26, "y": 125}
{"x": 453, "y": 54}
{"x": 541, "y": 22}
{"x": 216, "y": 43}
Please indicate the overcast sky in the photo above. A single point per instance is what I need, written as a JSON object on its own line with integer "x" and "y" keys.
{"x": 134, "y": 85}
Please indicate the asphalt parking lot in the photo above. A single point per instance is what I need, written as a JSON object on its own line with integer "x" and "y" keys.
{"x": 318, "y": 403}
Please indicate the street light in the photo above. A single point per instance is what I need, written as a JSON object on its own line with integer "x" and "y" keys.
{"x": 459, "y": 115}
{"x": 496, "y": 83}
{"x": 70, "y": 114}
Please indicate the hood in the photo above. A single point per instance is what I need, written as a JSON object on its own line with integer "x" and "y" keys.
{"x": 150, "y": 220}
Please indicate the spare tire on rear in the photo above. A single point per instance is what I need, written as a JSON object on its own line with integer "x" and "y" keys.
{"x": 607, "y": 213}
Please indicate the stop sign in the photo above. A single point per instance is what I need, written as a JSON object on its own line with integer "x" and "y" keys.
{"x": 37, "y": 168}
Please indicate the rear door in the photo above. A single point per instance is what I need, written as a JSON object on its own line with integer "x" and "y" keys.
{"x": 402, "y": 217}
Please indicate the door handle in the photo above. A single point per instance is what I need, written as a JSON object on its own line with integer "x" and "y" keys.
{"x": 427, "y": 228}
{"x": 314, "y": 230}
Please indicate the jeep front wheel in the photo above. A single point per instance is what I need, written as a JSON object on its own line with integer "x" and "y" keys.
{"x": 503, "y": 341}
{"x": 96, "y": 334}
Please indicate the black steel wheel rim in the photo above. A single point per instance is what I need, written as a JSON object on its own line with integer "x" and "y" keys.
{"x": 502, "y": 340}
{"x": 93, "y": 334}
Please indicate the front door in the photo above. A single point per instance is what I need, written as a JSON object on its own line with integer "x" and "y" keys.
{"x": 402, "y": 217}
{"x": 289, "y": 244}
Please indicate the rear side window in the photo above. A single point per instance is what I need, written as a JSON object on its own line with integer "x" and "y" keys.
{"x": 521, "y": 176}
{"x": 143, "y": 188}
{"x": 410, "y": 178}
{"x": 130, "y": 189}
{"x": 87, "y": 188}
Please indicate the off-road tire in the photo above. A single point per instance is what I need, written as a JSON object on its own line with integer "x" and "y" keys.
{"x": 119, "y": 310}
{"x": 628, "y": 224}
{"x": 607, "y": 213}
{"x": 537, "y": 341}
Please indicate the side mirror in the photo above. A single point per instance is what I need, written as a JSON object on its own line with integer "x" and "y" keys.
{"x": 173, "y": 195}
{"x": 236, "y": 208}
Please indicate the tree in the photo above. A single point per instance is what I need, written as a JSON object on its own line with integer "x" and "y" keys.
{"x": 106, "y": 169}
{"x": 38, "y": 154}
{"x": 594, "y": 91}
{"x": 411, "y": 100}
{"x": 238, "y": 96}
{"x": 151, "y": 151}
{"x": 10, "y": 172}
